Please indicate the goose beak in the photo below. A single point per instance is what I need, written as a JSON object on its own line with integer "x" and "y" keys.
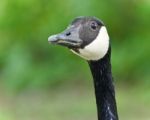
{"x": 68, "y": 38}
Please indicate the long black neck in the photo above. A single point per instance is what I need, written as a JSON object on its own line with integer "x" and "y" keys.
{"x": 104, "y": 89}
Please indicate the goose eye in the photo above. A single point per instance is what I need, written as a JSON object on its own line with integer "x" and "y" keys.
{"x": 93, "y": 26}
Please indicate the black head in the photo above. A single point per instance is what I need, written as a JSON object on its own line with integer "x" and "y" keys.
{"x": 89, "y": 28}
{"x": 85, "y": 36}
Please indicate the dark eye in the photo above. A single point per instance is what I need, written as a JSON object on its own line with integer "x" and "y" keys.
{"x": 94, "y": 26}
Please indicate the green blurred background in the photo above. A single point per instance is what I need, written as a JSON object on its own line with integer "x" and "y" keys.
{"x": 43, "y": 82}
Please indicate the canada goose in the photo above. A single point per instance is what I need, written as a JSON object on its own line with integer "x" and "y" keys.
{"x": 88, "y": 38}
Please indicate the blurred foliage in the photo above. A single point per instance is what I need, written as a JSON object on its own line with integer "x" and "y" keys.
{"x": 28, "y": 61}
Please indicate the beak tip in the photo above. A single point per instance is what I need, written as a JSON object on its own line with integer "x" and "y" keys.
{"x": 52, "y": 38}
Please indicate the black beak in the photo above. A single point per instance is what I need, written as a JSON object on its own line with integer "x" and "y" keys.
{"x": 69, "y": 38}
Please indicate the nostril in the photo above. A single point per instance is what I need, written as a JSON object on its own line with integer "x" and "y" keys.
{"x": 68, "y": 33}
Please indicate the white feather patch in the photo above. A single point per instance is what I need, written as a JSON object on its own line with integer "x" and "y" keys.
{"x": 98, "y": 48}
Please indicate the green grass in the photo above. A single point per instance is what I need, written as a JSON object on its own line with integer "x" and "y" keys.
{"x": 75, "y": 102}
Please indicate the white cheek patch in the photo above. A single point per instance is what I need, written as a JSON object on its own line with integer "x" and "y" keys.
{"x": 98, "y": 48}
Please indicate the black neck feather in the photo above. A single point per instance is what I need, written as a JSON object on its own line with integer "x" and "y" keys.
{"x": 104, "y": 89}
